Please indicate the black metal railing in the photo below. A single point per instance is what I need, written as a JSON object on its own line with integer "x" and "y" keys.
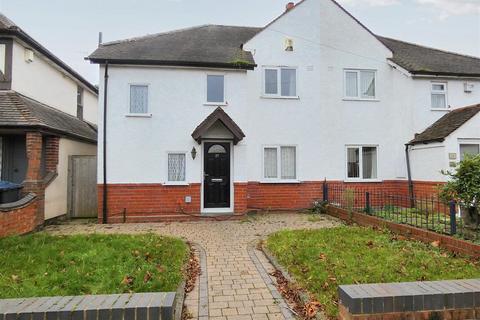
{"x": 426, "y": 212}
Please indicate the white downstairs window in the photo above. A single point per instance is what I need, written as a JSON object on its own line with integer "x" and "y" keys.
{"x": 439, "y": 95}
{"x": 362, "y": 163}
{"x": 280, "y": 163}
{"x": 177, "y": 167}
{"x": 471, "y": 149}
{"x": 280, "y": 82}
{"x": 360, "y": 84}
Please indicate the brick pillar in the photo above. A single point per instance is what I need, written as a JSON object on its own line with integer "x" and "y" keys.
{"x": 51, "y": 155}
{"x": 34, "y": 180}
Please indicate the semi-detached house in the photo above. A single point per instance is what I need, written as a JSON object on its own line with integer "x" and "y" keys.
{"x": 219, "y": 119}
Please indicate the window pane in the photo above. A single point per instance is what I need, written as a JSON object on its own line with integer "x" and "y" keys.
{"x": 3, "y": 57}
{"x": 289, "y": 82}
{"x": 369, "y": 162}
{"x": 351, "y": 85}
{"x": 216, "y": 148}
{"x": 438, "y": 87}
{"x": 470, "y": 149}
{"x": 270, "y": 163}
{"x": 439, "y": 100}
{"x": 368, "y": 84}
{"x": 215, "y": 88}
{"x": 138, "y": 99}
{"x": 271, "y": 81}
{"x": 176, "y": 167}
{"x": 353, "y": 162}
{"x": 288, "y": 162}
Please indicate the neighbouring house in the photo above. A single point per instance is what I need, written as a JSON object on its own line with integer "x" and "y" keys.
{"x": 48, "y": 114}
{"x": 220, "y": 119}
{"x": 446, "y": 142}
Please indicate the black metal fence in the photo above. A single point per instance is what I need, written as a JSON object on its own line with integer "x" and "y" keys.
{"x": 426, "y": 212}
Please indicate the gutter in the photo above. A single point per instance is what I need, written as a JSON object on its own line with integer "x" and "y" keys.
{"x": 105, "y": 189}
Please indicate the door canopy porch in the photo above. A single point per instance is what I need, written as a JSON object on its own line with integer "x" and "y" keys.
{"x": 218, "y": 116}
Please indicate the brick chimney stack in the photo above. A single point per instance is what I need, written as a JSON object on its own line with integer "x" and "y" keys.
{"x": 290, "y": 6}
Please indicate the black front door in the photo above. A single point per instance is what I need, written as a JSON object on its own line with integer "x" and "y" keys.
{"x": 216, "y": 192}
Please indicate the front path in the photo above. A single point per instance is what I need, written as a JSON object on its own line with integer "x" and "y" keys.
{"x": 235, "y": 280}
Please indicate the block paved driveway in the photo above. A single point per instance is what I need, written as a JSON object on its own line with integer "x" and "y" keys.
{"x": 234, "y": 283}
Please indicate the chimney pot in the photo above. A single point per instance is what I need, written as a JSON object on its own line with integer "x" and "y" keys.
{"x": 290, "y": 6}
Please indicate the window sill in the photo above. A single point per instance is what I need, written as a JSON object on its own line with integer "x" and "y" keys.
{"x": 216, "y": 104}
{"x": 138, "y": 115}
{"x": 176, "y": 183}
{"x": 360, "y": 99}
{"x": 362, "y": 180}
{"x": 440, "y": 109}
{"x": 280, "y": 97}
{"x": 280, "y": 181}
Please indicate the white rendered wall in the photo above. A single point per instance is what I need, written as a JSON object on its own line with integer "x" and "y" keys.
{"x": 43, "y": 82}
{"x": 56, "y": 193}
{"x": 320, "y": 122}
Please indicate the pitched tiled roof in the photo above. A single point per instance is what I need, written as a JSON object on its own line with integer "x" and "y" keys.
{"x": 420, "y": 60}
{"x": 206, "y": 46}
{"x": 8, "y": 27}
{"x": 446, "y": 125}
{"x": 18, "y": 111}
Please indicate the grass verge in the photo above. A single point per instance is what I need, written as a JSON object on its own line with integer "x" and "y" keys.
{"x": 320, "y": 260}
{"x": 43, "y": 265}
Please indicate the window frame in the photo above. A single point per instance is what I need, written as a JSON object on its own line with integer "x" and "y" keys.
{"x": 444, "y": 92}
{"x": 224, "y": 102}
{"x": 176, "y": 183}
{"x": 359, "y": 97}
{"x": 466, "y": 142}
{"x": 148, "y": 114}
{"x": 360, "y": 163}
{"x": 279, "y": 179}
{"x": 279, "y": 95}
{"x": 80, "y": 102}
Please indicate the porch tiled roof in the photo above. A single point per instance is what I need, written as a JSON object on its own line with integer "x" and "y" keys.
{"x": 18, "y": 111}
{"x": 218, "y": 115}
{"x": 446, "y": 125}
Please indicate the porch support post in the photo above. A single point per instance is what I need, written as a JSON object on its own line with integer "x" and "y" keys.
{"x": 34, "y": 180}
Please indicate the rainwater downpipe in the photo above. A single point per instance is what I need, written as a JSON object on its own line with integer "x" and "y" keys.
{"x": 409, "y": 175}
{"x": 105, "y": 91}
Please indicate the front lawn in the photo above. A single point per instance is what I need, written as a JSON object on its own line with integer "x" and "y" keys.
{"x": 320, "y": 260}
{"x": 44, "y": 265}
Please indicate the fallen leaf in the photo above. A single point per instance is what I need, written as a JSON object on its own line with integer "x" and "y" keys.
{"x": 147, "y": 277}
{"x": 161, "y": 268}
{"x": 127, "y": 280}
{"x": 435, "y": 244}
{"x": 15, "y": 278}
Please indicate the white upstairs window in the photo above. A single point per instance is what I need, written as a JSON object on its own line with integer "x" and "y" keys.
{"x": 138, "y": 99}
{"x": 362, "y": 163}
{"x": 176, "y": 167}
{"x": 216, "y": 89}
{"x": 280, "y": 82}
{"x": 439, "y": 95}
{"x": 280, "y": 163}
{"x": 360, "y": 84}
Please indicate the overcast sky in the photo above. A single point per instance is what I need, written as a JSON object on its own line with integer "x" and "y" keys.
{"x": 69, "y": 28}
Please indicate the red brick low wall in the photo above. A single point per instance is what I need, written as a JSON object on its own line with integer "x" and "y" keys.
{"x": 150, "y": 202}
{"x": 19, "y": 220}
{"x": 158, "y": 202}
{"x": 446, "y": 242}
